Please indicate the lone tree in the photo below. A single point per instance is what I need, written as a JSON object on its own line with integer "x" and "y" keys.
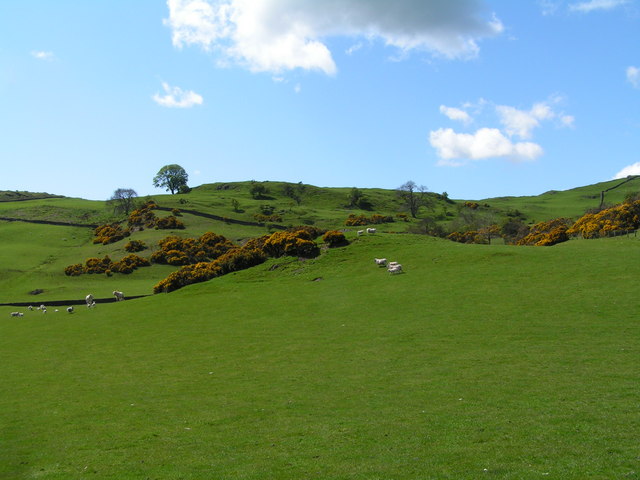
{"x": 173, "y": 177}
{"x": 414, "y": 197}
{"x": 123, "y": 200}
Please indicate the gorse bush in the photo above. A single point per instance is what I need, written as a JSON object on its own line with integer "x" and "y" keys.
{"x": 334, "y": 238}
{"x": 545, "y": 234}
{"x": 135, "y": 246}
{"x": 110, "y": 233}
{"x": 472, "y": 236}
{"x": 625, "y": 216}
{"x": 169, "y": 223}
{"x": 185, "y": 251}
{"x": 232, "y": 258}
{"x": 105, "y": 265}
{"x": 144, "y": 216}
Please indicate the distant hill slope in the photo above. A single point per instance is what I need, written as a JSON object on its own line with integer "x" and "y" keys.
{"x": 16, "y": 196}
{"x": 571, "y": 203}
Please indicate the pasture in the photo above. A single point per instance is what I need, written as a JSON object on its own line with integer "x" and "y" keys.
{"x": 494, "y": 362}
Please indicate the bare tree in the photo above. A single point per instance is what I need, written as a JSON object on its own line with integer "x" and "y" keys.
{"x": 414, "y": 196}
{"x": 123, "y": 200}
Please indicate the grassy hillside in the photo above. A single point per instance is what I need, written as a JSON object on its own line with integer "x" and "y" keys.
{"x": 498, "y": 362}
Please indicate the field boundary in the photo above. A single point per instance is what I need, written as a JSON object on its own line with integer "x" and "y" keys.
{"x": 223, "y": 219}
{"x": 50, "y": 222}
{"x": 61, "y": 303}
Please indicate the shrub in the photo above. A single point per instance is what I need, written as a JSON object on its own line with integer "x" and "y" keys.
{"x": 176, "y": 212}
{"x": 135, "y": 246}
{"x": 97, "y": 265}
{"x": 546, "y": 233}
{"x": 292, "y": 244}
{"x": 359, "y": 220}
{"x": 74, "y": 270}
{"x": 259, "y": 217}
{"x": 110, "y": 233}
{"x": 169, "y": 223}
{"x": 334, "y": 238}
{"x": 625, "y": 216}
{"x": 143, "y": 216}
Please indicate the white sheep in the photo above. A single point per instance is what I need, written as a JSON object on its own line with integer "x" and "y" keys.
{"x": 70, "y": 309}
{"x": 89, "y": 300}
{"x": 395, "y": 269}
{"x": 17, "y": 314}
{"x": 360, "y": 232}
{"x": 119, "y": 295}
{"x": 371, "y": 230}
{"x": 381, "y": 262}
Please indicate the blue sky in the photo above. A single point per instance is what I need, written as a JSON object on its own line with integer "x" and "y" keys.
{"x": 475, "y": 98}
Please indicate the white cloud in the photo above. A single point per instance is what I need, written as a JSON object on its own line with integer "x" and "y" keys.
{"x": 176, "y": 97}
{"x": 41, "y": 55}
{"x": 633, "y": 169}
{"x": 633, "y": 76}
{"x": 591, "y": 5}
{"x": 456, "y": 149}
{"x": 279, "y": 35}
{"x": 455, "y": 114}
{"x": 522, "y": 123}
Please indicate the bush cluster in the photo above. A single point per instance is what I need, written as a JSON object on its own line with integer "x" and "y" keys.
{"x": 625, "y": 216}
{"x": 110, "y": 233}
{"x": 545, "y": 234}
{"x": 135, "y": 246}
{"x": 254, "y": 252}
{"x": 334, "y": 238}
{"x": 169, "y": 223}
{"x": 375, "y": 219}
{"x": 472, "y": 236}
{"x": 186, "y": 251}
{"x": 105, "y": 265}
{"x": 143, "y": 216}
{"x": 292, "y": 244}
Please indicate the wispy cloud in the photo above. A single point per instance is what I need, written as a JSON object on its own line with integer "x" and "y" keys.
{"x": 592, "y": 5}
{"x": 177, "y": 98}
{"x": 633, "y": 76}
{"x": 42, "y": 55}
{"x": 455, "y": 114}
{"x": 633, "y": 169}
{"x": 279, "y": 35}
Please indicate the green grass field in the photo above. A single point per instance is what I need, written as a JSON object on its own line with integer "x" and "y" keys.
{"x": 479, "y": 362}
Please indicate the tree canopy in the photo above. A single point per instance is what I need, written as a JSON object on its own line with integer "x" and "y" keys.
{"x": 172, "y": 177}
{"x": 123, "y": 200}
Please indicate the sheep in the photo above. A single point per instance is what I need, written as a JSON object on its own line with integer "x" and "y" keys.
{"x": 70, "y": 309}
{"x": 17, "y": 314}
{"x": 393, "y": 264}
{"x": 119, "y": 295}
{"x": 30, "y": 307}
{"x": 371, "y": 230}
{"x": 89, "y": 300}
{"x": 360, "y": 232}
{"x": 42, "y": 307}
{"x": 395, "y": 269}
{"x": 381, "y": 262}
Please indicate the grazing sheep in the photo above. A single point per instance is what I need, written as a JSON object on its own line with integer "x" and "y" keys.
{"x": 119, "y": 295}
{"x": 17, "y": 314}
{"x": 30, "y": 307}
{"x": 371, "y": 230}
{"x": 381, "y": 262}
{"x": 393, "y": 264}
{"x": 360, "y": 232}
{"x": 70, "y": 309}
{"x": 89, "y": 300}
{"x": 395, "y": 269}
{"x": 42, "y": 307}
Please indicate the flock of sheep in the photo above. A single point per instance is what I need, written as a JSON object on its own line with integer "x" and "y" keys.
{"x": 392, "y": 267}
{"x": 88, "y": 299}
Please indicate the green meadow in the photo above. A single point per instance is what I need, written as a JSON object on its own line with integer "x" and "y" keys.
{"x": 479, "y": 361}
